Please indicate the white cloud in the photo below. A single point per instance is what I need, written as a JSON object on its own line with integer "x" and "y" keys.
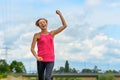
{"x": 117, "y": 51}
{"x": 44, "y": 1}
{"x": 100, "y": 37}
{"x": 47, "y": 0}
{"x": 102, "y": 12}
{"x": 14, "y": 31}
{"x": 23, "y": 45}
{"x": 22, "y": 52}
{"x": 98, "y": 51}
{"x": 88, "y": 43}
{"x": 80, "y": 41}
{"x": 61, "y": 38}
{"x": 24, "y": 39}
{"x": 93, "y": 3}
{"x": 1, "y": 43}
{"x": 97, "y": 47}
{"x": 1, "y": 38}
{"x": 115, "y": 4}
{"x": 1, "y": 21}
{"x": 104, "y": 17}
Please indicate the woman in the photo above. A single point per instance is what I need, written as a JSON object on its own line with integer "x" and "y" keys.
{"x": 45, "y": 44}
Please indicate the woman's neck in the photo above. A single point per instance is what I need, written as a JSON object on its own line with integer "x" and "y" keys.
{"x": 44, "y": 32}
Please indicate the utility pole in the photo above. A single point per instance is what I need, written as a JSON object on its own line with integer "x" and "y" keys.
{"x": 6, "y": 52}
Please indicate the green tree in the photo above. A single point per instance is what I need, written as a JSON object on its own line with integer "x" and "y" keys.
{"x": 73, "y": 70}
{"x": 111, "y": 71}
{"x": 4, "y": 67}
{"x": 17, "y": 67}
{"x": 67, "y": 66}
{"x": 86, "y": 71}
{"x": 66, "y": 69}
{"x": 61, "y": 70}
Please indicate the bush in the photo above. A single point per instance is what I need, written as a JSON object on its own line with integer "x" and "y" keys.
{"x": 68, "y": 79}
{"x": 3, "y": 75}
{"x": 106, "y": 77}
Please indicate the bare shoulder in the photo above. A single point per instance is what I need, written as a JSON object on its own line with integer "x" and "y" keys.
{"x": 52, "y": 32}
{"x": 36, "y": 35}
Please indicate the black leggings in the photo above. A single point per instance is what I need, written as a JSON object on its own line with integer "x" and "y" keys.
{"x": 44, "y": 68}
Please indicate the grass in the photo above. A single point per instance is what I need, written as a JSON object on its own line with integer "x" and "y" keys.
{"x": 68, "y": 78}
{"x": 32, "y": 78}
{"x": 18, "y": 77}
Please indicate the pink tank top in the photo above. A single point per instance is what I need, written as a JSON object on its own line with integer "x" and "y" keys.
{"x": 46, "y": 47}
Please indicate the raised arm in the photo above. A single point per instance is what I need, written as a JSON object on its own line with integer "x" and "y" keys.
{"x": 61, "y": 28}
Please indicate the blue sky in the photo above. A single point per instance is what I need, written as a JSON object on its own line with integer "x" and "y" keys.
{"x": 91, "y": 38}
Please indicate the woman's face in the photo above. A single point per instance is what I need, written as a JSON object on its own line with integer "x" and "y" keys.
{"x": 42, "y": 24}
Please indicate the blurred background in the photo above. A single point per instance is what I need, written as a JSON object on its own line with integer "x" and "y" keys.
{"x": 90, "y": 41}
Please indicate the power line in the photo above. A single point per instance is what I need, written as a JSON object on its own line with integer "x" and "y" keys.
{"x": 6, "y": 52}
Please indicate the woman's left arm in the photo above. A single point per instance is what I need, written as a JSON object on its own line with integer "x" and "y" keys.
{"x": 61, "y": 28}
